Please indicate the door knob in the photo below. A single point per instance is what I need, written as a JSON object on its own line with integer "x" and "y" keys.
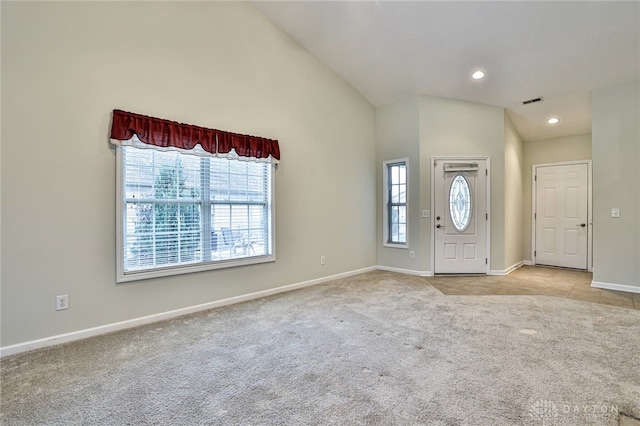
{"x": 582, "y": 225}
{"x": 439, "y": 226}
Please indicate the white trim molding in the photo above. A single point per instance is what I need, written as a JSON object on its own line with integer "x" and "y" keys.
{"x": 509, "y": 270}
{"x": 617, "y": 287}
{"x": 135, "y": 322}
{"x": 405, "y": 271}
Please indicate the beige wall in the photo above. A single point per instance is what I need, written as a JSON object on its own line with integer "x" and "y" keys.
{"x": 397, "y": 137}
{"x": 556, "y": 150}
{"x": 66, "y": 65}
{"x": 456, "y": 128}
{"x": 420, "y": 127}
{"x": 615, "y": 113}
{"x": 513, "y": 194}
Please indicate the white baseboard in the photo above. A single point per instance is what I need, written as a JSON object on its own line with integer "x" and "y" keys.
{"x": 509, "y": 270}
{"x": 527, "y": 262}
{"x": 617, "y": 287}
{"x": 405, "y": 271}
{"x": 122, "y": 325}
{"x": 430, "y": 274}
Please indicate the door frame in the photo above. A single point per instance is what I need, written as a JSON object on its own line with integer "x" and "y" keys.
{"x": 487, "y": 159}
{"x": 534, "y": 201}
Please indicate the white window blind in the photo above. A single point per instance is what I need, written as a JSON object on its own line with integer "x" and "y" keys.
{"x": 183, "y": 213}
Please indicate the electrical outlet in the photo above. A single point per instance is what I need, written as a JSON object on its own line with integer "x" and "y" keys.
{"x": 322, "y": 260}
{"x": 62, "y": 302}
{"x": 412, "y": 255}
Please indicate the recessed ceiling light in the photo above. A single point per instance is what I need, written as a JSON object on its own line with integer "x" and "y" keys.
{"x": 477, "y": 75}
{"x": 553, "y": 120}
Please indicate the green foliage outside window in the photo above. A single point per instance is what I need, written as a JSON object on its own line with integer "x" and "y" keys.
{"x": 176, "y": 224}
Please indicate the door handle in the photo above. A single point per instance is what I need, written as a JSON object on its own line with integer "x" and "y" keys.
{"x": 439, "y": 226}
{"x": 582, "y": 225}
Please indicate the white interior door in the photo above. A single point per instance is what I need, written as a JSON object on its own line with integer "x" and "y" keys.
{"x": 561, "y": 216}
{"x": 460, "y": 217}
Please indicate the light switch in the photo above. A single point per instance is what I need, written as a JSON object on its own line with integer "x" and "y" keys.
{"x": 615, "y": 212}
{"x": 426, "y": 213}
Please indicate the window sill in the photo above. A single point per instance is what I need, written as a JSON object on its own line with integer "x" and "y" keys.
{"x": 179, "y": 270}
{"x": 399, "y": 246}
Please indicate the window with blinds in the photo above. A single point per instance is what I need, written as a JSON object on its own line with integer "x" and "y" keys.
{"x": 184, "y": 213}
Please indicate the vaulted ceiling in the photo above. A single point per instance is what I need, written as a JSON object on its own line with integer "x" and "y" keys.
{"x": 559, "y": 51}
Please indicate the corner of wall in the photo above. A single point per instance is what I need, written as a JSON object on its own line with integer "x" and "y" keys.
{"x": 615, "y": 134}
{"x": 513, "y": 192}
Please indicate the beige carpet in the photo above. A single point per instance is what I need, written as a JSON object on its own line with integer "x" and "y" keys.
{"x": 378, "y": 348}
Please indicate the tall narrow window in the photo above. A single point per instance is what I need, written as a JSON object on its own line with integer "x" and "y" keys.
{"x": 395, "y": 187}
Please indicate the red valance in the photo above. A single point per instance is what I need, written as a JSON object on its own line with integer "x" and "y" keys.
{"x": 171, "y": 134}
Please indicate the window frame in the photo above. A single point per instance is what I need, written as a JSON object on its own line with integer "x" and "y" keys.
{"x": 386, "y": 224}
{"x": 123, "y": 277}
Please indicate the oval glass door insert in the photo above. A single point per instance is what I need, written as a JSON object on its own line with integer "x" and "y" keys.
{"x": 460, "y": 203}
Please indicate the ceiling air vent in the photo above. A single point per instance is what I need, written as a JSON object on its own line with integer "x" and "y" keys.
{"x": 532, "y": 101}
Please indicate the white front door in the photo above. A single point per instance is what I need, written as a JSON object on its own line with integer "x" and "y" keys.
{"x": 561, "y": 210}
{"x": 460, "y": 216}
